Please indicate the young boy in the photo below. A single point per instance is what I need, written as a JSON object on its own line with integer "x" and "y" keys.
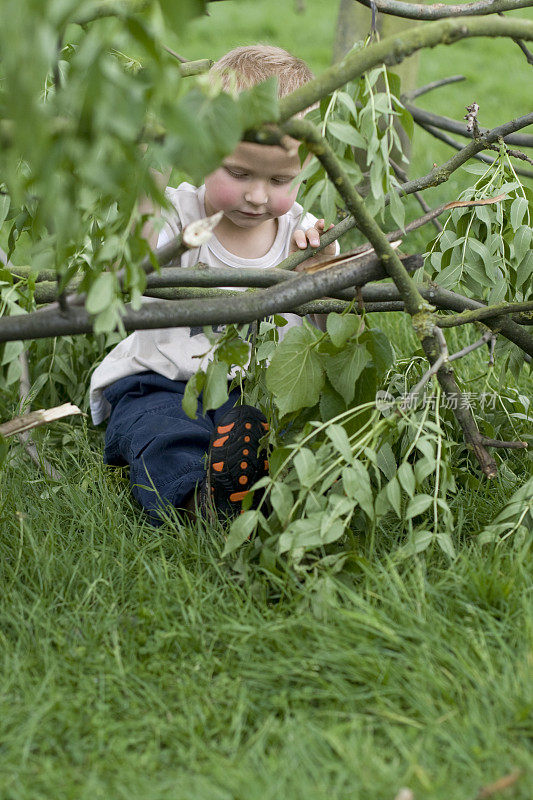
{"x": 140, "y": 383}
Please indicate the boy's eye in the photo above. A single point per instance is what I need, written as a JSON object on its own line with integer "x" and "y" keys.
{"x": 235, "y": 173}
{"x": 281, "y": 180}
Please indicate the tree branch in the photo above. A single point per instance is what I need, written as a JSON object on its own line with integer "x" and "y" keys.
{"x": 393, "y": 49}
{"x": 433, "y": 85}
{"x": 443, "y": 137}
{"x": 481, "y": 314}
{"x": 442, "y": 11}
{"x": 424, "y": 117}
{"x": 440, "y": 174}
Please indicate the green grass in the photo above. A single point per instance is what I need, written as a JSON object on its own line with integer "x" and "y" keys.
{"x": 137, "y": 664}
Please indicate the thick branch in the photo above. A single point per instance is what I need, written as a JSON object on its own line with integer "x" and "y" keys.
{"x": 298, "y": 289}
{"x": 393, "y": 49}
{"x": 442, "y": 11}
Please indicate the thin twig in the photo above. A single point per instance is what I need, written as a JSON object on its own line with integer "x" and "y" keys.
{"x": 509, "y": 445}
{"x": 181, "y": 59}
{"x": 499, "y": 785}
{"x": 512, "y": 152}
{"x": 402, "y": 175}
{"x": 528, "y": 54}
{"x": 438, "y": 134}
{"x": 433, "y": 85}
{"x": 488, "y": 336}
{"x": 424, "y": 117}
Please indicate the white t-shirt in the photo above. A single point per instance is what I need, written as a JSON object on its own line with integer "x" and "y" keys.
{"x": 171, "y": 351}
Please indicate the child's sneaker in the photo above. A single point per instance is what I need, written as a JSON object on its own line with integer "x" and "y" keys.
{"x": 234, "y": 464}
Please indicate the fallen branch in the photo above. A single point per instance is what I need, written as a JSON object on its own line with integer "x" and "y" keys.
{"x": 499, "y": 785}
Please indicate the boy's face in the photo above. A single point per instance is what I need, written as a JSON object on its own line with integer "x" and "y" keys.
{"x": 254, "y": 184}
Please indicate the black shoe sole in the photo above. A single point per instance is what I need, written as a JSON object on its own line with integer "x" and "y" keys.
{"x": 234, "y": 463}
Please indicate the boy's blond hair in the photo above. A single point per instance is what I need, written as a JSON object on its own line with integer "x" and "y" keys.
{"x": 244, "y": 67}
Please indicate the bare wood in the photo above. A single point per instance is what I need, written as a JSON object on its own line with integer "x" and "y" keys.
{"x": 498, "y": 786}
{"x": 35, "y": 419}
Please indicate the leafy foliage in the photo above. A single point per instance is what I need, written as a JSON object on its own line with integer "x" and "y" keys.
{"x": 72, "y": 119}
{"x": 360, "y": 123}
{"x": 485, "y": 251}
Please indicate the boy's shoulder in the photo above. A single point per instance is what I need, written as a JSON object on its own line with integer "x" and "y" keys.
{"x": 185, "y": 205}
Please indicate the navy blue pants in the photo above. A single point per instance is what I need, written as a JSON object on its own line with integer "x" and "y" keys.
{"x": 149, "y": 431}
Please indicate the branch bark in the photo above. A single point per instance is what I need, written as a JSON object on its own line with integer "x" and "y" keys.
{"x": 393, "y": 49}
{"x": 442, "y": 11}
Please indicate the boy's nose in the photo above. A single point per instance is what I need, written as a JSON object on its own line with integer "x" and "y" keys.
{"x": 256, "y": 194}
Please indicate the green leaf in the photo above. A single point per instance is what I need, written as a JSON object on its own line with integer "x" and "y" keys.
{"x": 379, "y": 348}
{"x": 518, "y": 211}
{"x": 420, "y": 541}
{"x": 307, "y": 533}
{"x": 194, "y": 386}
{"x": 444, "y": 540}
{"x": 177, "y": 14}
{"x": 386, "y": 461}
{"x": 344, "y": 132}
{"x": 241, "y": 529}
{"x": 295, "y": 375}
{"x": 312, "y": 193}
{"x": 356, "y": 484}
{"x": 450, "y": 276}
{"x": 525, "y": 270}
{"x": 397, "y": 208}
{"x": 306, "y": 467}
{"x": 4, "y": 207}
{"x": 234, "y": 351}
{"x": 281, "y": 499}
{"x": 522, "y": 242}
{"x": 327, "y": 203}
{"x": 407, "y": 478}
{"x": 394, "y": 496}
{"x": 259, "y": 104}
{"x": 341, "y": 327}
{"x": 344, "y": 368}
{"x": 216, "y": 385}
{"x": 11, "y": 351}
{"x": 340, "y": 440}
{"x": 418, "y": 505}
{"x": 483, "y": 251}
{"x": 101, "y": 294}
{"x": 347, "y": 101}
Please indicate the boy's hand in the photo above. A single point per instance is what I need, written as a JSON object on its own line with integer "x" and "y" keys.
{"x": 311, "y": 238}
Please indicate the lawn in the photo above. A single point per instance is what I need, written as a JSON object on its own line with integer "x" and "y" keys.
{"x": 137, "y": 664}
